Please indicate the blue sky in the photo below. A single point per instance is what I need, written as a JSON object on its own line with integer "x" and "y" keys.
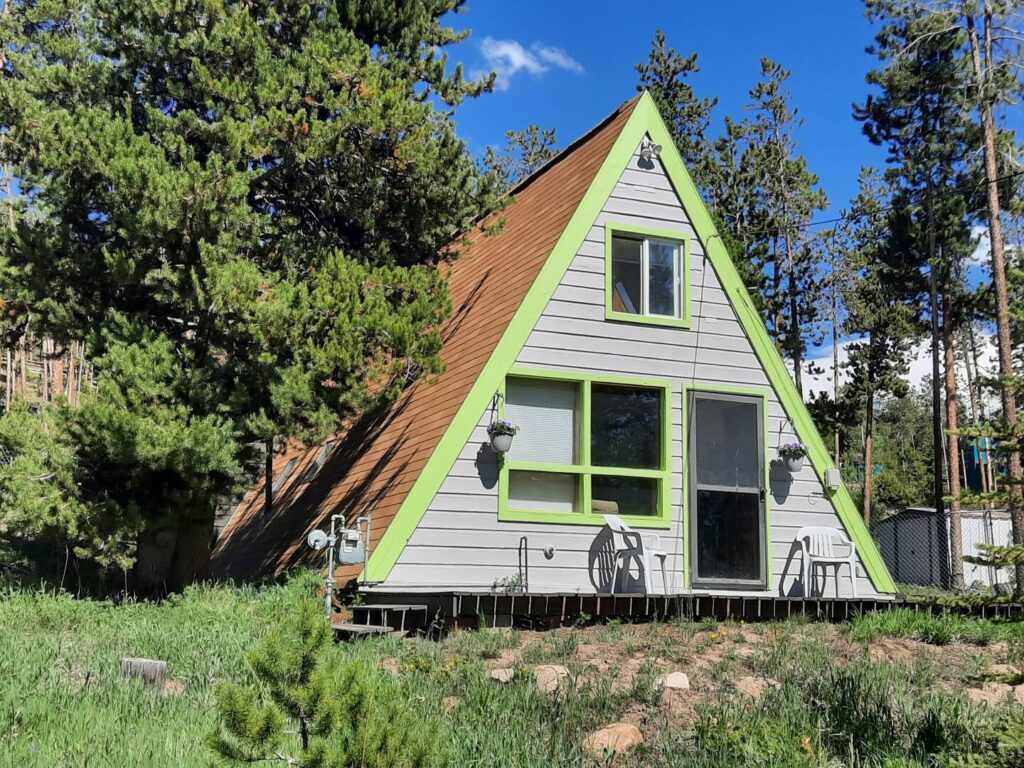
{"x": 582, "y": 56}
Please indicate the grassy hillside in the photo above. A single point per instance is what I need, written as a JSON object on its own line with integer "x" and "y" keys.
{"x": 892, "y": 690}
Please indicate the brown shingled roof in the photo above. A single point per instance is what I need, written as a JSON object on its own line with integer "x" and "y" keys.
{"x": 375, "y": 462}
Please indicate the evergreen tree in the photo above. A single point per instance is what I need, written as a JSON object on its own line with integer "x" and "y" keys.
{"x": 688, "y": 116}
{"x": 878, "y": 318}
{"x": 525, "y": 151}
{"x": 917, "y": 117}
{"x": 315, "y": 708}
{"x": 240, "y": 208}
{"x": 786, "y": 196}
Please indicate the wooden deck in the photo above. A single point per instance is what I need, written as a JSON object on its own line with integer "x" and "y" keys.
{"x": 476, "y": 609}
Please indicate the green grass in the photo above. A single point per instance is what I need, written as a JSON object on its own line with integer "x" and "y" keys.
{"x": 64, "y": 703}
{"x": 935, "y": 629}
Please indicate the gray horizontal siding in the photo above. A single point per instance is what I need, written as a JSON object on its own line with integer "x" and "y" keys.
{"x": 460, "y": 544}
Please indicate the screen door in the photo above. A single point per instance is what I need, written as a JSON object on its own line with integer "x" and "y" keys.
{"x": 727, "y": 490}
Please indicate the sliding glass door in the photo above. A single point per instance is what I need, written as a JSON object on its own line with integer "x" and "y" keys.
{"x": 727, "y": 490}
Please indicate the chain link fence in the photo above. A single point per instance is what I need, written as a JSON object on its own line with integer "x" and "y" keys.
{"x": 916, "y": 545}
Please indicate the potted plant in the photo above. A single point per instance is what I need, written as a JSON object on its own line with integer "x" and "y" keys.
{"x": 793, "y": 454}
{"x": 501, "y": 433}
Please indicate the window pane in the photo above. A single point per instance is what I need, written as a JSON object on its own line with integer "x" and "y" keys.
{"x": 661, "y": 296}
{"x": 545, "y": 412}
{"x": 728, "y": 535}
{"x": 542, "y": 491}
{"x": 625, "y": 429}
{"x": 726, "y": 439}
{"x": 624, "y": 495}
{"x": 626, "y": 275}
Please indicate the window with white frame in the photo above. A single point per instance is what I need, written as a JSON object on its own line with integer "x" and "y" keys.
{"x": 585, "y": 448}
{"x": 645, "y": 276}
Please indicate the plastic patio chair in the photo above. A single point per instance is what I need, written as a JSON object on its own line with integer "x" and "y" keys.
{"x": 629, "y": 548}
{"x": 817, "y": 545}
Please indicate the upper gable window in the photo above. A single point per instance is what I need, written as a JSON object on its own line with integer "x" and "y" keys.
{"x": 646, "y": 278}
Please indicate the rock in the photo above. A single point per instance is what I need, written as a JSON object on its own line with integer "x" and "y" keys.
{"x": 549, "y": 677}
{"x": 503, "y": 674}
{"x": 677, "y": 680}
{"x": 391, "y": 666}
{"x": 614, "y": 739}
{"x": 755, "y": 686}
{"x": 1003, "y": 669}
{"x": 450, "y": 702}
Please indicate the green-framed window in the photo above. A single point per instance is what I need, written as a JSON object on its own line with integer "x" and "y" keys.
{"x": 647, "y": 275}
{"x": 588, "y": 445}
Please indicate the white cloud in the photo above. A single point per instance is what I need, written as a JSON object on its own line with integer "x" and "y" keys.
{"x": 509, "y": 57}
{"x": 920, "y": 367}
{"x": 981, "y": 255}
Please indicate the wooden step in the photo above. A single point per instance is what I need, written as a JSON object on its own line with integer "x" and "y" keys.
{"x": 394, "y": 615}
{"x": 346, "y": 631}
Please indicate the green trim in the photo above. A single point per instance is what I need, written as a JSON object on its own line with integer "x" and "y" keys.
{"x": 612, "y": 228}
{"x": 643, "y": 120}
{"x": 725, "y": 389}
{"x": 585, "y": 470}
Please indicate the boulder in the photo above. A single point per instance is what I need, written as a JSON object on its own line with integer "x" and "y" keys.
{"x": 550, "y": 677}
{"x": 503, "y": 674}
{"x": 676, "y": 680}
{"x": 613, "y": 739}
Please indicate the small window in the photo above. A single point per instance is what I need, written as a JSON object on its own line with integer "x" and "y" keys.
{"x": 283, "y": 475}
{"x": 317, "y": 463}
{"x": 645, "y": 277}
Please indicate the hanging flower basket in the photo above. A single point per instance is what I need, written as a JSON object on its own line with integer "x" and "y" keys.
{"x": 792, "y": 454}
{"x": 501, "y": 433}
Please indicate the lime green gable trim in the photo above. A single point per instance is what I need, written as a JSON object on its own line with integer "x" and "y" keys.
{"x": 612, "y": 228}
{"x": 584, "y": 469}
{"x": 729, "y": 389}
{"x": 766, "y": 352}
{"x": 441, "y": 461}
{"x": 644, "y": 120}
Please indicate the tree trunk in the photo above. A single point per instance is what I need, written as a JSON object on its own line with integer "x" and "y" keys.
{"x": 995, "y": 232}
{"x": 938, "y": 486}
{"x": 869, "y": 447}
{"x": 956, "y": 546}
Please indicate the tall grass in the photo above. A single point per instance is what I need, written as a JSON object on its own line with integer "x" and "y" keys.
{"x": 64, "y": 703}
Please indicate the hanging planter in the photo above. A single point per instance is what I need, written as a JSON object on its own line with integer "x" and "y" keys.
{"x": 501, "y": 433}
{"x": 792, "y": 454}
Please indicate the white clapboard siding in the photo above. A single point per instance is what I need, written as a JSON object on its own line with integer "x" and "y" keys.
{"x": 460, "y": 544}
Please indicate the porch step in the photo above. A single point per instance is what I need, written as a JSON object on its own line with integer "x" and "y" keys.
{"x": 344, "y": 631}
{"x": 399, "y": 617}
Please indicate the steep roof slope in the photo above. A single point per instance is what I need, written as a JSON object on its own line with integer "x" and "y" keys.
{"x": 373, "y": 464}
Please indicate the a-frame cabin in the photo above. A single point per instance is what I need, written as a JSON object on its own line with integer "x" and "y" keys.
{"x": 606, "y": 320}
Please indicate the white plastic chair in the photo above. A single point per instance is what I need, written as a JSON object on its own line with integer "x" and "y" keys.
{"x": 817, "y": 546}
{"x": 629, "y": 547}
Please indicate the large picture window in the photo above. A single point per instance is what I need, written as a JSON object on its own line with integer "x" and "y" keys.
{"x": 586, "y": 447}
{"x": 646, "y": 276}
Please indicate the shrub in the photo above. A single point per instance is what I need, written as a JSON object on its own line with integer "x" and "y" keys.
{"x": 318, "y": 708}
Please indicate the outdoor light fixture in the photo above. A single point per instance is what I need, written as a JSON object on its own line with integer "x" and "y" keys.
{"x": 649, "y": 150}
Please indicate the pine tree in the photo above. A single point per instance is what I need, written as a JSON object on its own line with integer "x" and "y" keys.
{"x": 241, "y": 210}
{"x": 917, "y": 117}
{"x": 786, "y": 196}
{"x": 525, "y": 151}
{"x": 315, "y": 708}
{"x": 879, "y": 319}
{"x": 688, "y": 116}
